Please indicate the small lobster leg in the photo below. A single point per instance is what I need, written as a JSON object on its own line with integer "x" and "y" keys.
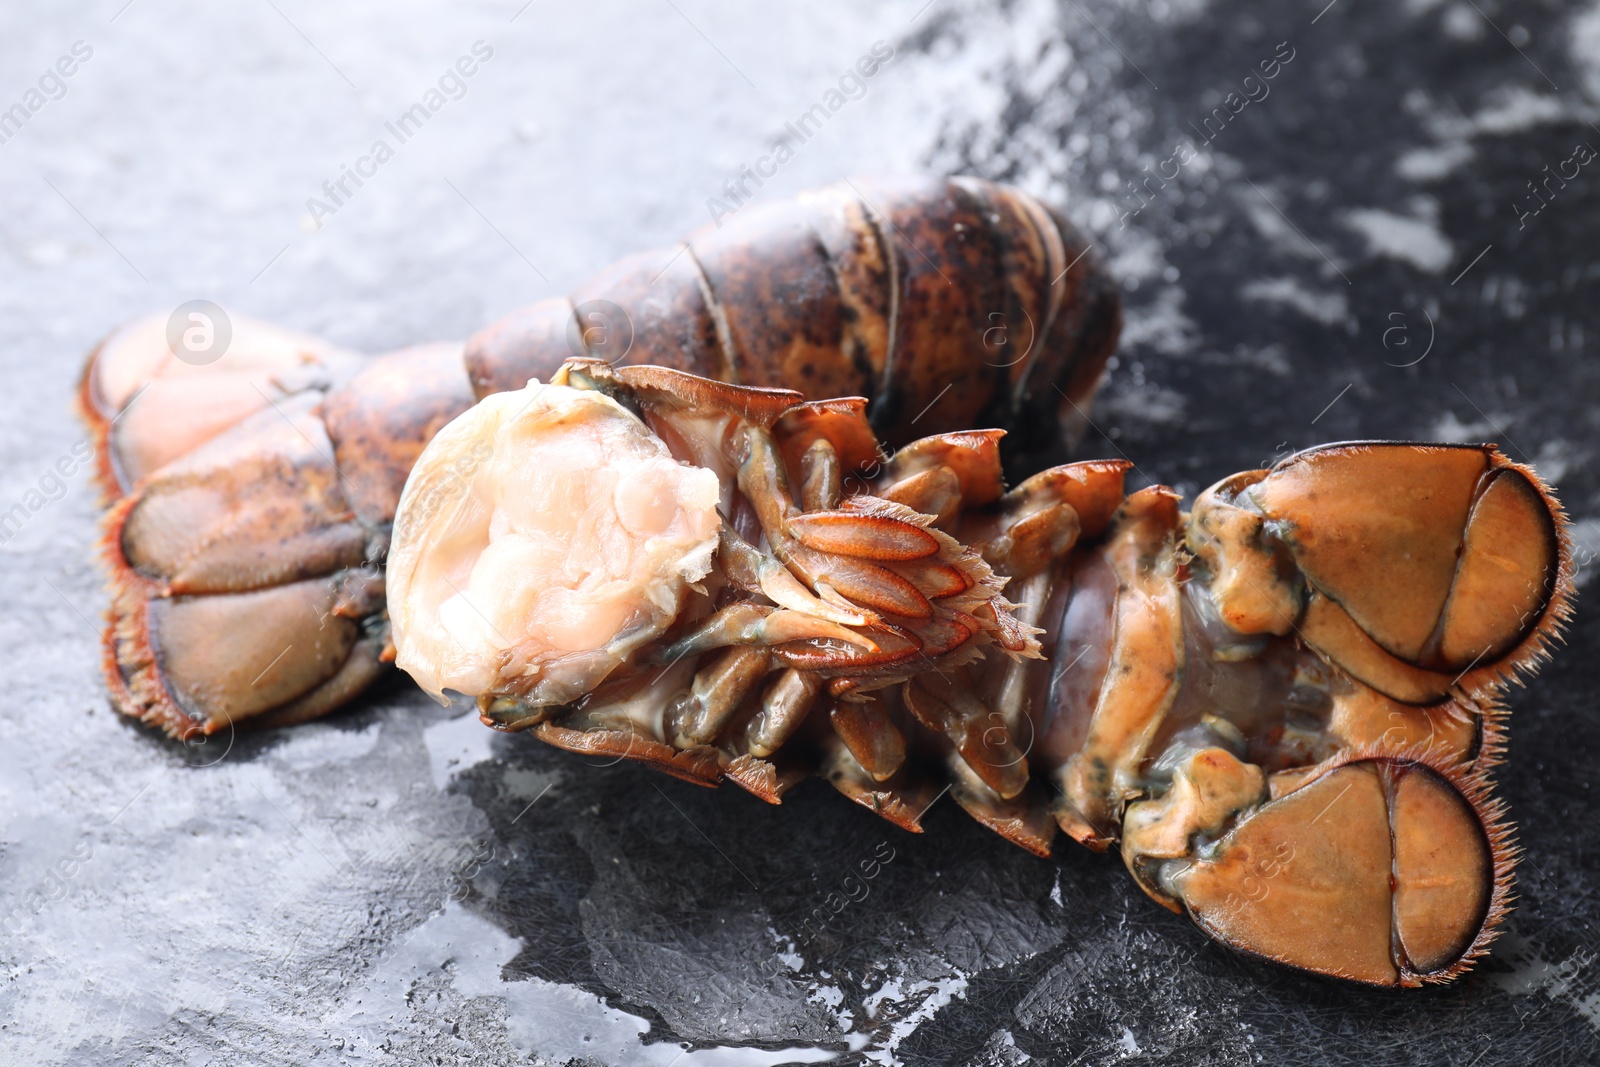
{"x": 1392, "y": 870}
{"x": 1033, "y": 527}
{"x": 822, "y": 482}
{"x": 870, "y": 734}
{"x": 821, "y": 560}
{"x": 874, "y": 555}
{"x": 1040, "y": 521}
{"x": 903, "y": 798}
{"x": 744, "y": 623}
{"x": 756, "y": 572}
{"x": 783, "y": 707}
{"x": 1008, "y": 678}
{"x": 945, "y": 703}
{"x": 1024, "y": 820}
{"x": 621, "y": 720}
{"x": 698, "y": 716}
{"x": 935, "y": 491}
{"x": 945, "y": 474}
{"x": 1032, "y": 543}
{"x": 842, "y": 426}
{"x": 751, "y": 753}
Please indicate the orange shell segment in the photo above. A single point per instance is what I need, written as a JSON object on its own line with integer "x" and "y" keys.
{"x": 852, "y": 533}
{"x": 842, "y": 423}
{"x": 973, "y": 456}
{"x": 1330, "y": 630}
{"x": 1305, "y": 880}
{"x": 1444, "y": 872}
{"x": 1507, "y": 571}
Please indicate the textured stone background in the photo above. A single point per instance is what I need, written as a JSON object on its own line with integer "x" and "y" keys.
{"x": 397, "y": 884}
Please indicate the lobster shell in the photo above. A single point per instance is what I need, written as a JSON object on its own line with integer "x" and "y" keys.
{"x": 256, "y": 492}
{"x": 948, "y": 303}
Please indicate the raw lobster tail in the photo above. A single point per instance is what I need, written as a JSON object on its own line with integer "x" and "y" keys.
{"x": 1055, "y": 655}
{"x": 1282, "y": 707}
{"x": 247, "y": 553}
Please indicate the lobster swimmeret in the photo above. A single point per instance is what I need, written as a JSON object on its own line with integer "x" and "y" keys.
{"x": 1282, "y": 704}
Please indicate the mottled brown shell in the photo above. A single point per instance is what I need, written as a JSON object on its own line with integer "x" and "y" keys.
{"x": 948, "y": 303}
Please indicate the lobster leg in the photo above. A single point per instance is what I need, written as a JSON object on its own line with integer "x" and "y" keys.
{"x": 923, "y": 472}
{"x": 946, "y": 703}
{"x": 623, "y": 721}
{"x": 744, "y": 623}
{"x": 821, "y": 480}
{"x": 697, "y": 717}
{"x": 902, "y": 799}
{"x": 756, "y": 572}
{"x": 1023, "y": 820}
{"x": 845, "y": 579}
{"x": 783, "y": 707}
{"x": 870, "y": 734}
{"x": 936, "y": 492}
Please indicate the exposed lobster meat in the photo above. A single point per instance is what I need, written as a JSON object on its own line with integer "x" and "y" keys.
{"x": 1282, "y": 705}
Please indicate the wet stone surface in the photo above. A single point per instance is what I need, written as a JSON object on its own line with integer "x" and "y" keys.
{"x": 1354, "y": 255}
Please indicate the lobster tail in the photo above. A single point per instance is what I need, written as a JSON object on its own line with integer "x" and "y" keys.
{"x": 906, "y": 292}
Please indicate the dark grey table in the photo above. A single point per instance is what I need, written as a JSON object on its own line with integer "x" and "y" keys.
{"x": 1352, "y": 253}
